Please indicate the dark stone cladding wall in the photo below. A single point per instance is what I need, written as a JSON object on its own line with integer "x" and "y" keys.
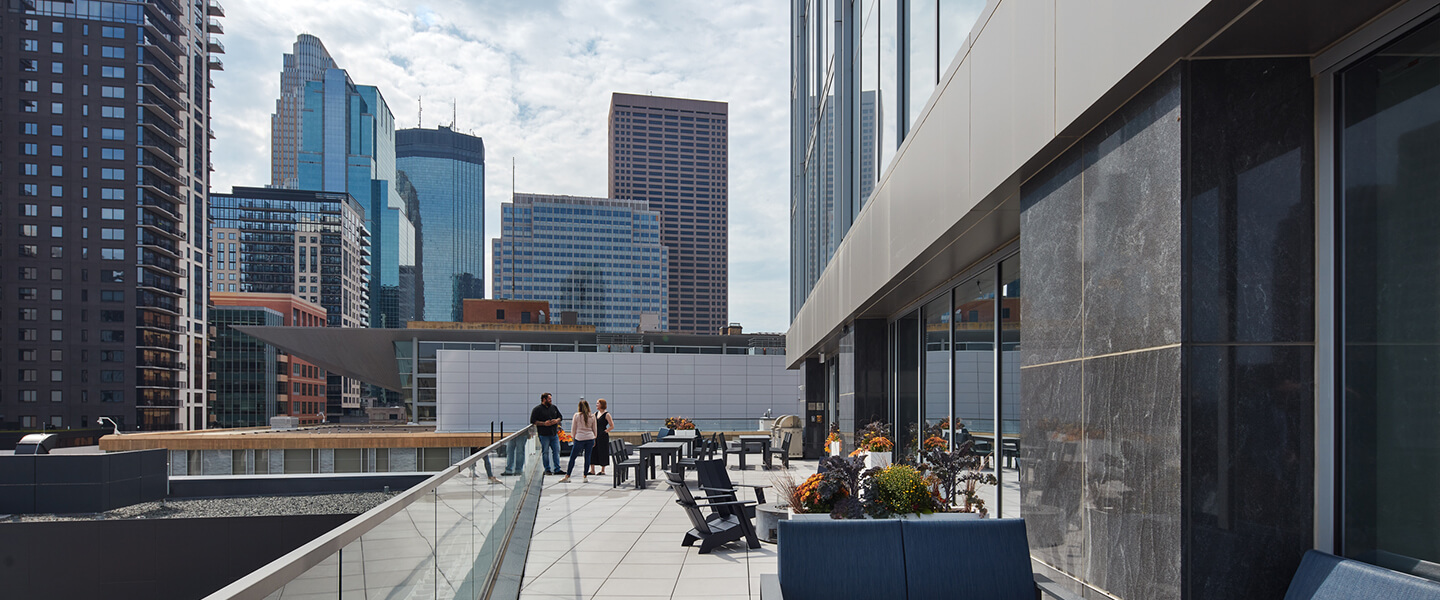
{"x": 1168, "y": 357}
{"x": 1101, "y": 394}
{"x": 1250, "y": 325}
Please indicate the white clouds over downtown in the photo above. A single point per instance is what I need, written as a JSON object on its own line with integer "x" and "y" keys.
{"x": 534, "y": 80}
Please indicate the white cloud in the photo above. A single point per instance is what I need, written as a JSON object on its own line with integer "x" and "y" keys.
{"x": 534, "y": 80}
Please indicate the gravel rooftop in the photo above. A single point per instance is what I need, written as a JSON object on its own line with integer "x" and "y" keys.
{"x": 252, "y": 506}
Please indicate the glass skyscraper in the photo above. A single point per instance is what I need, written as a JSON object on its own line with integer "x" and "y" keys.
{"x": 599, "y": 257}
{"x": 308, "y": 62}
{"x": 445, "y": 170}
{"x": 347, "y": 144}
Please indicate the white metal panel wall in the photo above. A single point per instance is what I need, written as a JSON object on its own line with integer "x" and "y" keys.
{"x": 1028, "y": 72}
{"x": 475, "y": 387}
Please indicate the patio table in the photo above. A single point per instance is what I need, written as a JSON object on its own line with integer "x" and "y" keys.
{"x": 763, "y": 441}
{"x": 648, "y": 452}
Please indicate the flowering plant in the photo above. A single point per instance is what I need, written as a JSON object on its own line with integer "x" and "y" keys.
{"x": 565, "y": 436}
{"x": 898, "y": 489}
{"x": 936, "y": 442}
{"x": 820, "y": 493}
{"x": 679, "y": 423}
{"x": 834, "y": 435}
{"x": 878, "y": 444}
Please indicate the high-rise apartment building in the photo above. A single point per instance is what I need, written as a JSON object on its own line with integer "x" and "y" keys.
{"x": 103, "y": 177}
{"x": 253, "y": 381}
{"x": 598, "y": 257}
{"x": 309, "y": 244}
{"x": 445, "y": 169}
{"x": 673, "y": 154}
{"x": 308, "y": 62}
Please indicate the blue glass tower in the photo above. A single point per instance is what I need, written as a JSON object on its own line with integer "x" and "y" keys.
{"x": 445, "y": 170}
{"x": 347, "y": 144}
{"x": 598, "y": 257}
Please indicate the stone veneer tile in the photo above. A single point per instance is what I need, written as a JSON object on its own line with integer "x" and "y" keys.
{"x": 1051, "y": 249}
{"x": 1132, "y": 260}
{"x": 1250, "y": 464}
{"x": 1250, "y": 214}
{"x": 1132, "y": 503}
{"x": 1052, "y": 464}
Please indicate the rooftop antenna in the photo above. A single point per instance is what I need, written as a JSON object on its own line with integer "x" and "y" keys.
{"x": 421, "y": 120}
{"x": 454, "y": 112}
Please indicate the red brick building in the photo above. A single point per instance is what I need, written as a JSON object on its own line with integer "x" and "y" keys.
{"x": 300, "y": 386}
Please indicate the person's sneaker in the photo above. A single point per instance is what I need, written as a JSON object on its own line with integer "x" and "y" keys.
{"x": 566, "y": 479}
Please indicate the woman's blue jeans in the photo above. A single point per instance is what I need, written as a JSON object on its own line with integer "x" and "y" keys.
{"x": 580, "y": 447}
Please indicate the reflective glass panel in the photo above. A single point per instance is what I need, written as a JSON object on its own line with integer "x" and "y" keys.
{"x": 1390, "y": 211}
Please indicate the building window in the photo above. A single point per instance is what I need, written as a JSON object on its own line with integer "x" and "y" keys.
{"x": 112, "y": 112}
{"x": 1388, "y": 337}
{"x": 113, "y": 32}
{"x": 112, "y": 52}
{"x": 113, "y": 72}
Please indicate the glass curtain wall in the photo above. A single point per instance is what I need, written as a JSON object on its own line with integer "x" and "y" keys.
{"x": 1389, "y": 144}
{"x": 1008, "y": 451}
{"x": 888, "y": 104}
{"x": 935, "y": 408}
{"x": 956, "y": 365}
{"x": 921, "y": 54}
{"x": 907, "y": 360}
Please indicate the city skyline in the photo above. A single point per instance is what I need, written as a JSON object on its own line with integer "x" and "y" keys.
{"x": 542, "y": 104}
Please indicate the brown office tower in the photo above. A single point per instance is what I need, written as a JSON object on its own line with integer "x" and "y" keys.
{"x": 673, "y": 153}
{"x": 104, "y": 172}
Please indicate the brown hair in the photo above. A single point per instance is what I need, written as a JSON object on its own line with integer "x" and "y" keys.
{"x": 600, "y": 404}
{"x": 585, "y": 411}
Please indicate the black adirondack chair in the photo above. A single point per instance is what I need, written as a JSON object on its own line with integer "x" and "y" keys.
{"x": 715, "y": 482}
{"x": 727, "y": 524}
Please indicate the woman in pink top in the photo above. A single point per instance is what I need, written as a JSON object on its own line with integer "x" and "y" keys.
{"x": 584, "y": 433}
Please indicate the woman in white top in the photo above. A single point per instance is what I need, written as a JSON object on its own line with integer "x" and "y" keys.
{"x": 584, "y": 433}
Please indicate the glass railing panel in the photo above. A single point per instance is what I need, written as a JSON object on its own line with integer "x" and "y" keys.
{"x": 440, "y": 539}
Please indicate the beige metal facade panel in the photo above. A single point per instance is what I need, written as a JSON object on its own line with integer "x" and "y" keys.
{"x": 1012, "y": 90}
{"x": 1000, "y": 108}
{"x": 1099, "y": 41}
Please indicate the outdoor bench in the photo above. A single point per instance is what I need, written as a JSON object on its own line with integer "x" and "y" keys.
{"x": 1323, "y": 576}
{"x": 904, "y": 558}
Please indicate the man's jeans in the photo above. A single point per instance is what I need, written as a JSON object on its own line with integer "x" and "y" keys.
{"x": 550, "y": 452}
{"x": 515, "y": 455}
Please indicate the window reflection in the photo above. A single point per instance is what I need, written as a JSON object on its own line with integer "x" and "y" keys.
{"x": 1008, "y": 452}
{"x": 921, "y": 54}
{"x": 1389, "y": 146}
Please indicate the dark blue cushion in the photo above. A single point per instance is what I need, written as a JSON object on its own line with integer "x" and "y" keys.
{"x": 829, "y": 559}
{"x": 996, "y": 563}
{"x": 1323, "y": 576}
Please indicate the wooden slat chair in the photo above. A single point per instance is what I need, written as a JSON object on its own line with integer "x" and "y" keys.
{"x": 647, "y": 437}
{"x": 727, "y": 524}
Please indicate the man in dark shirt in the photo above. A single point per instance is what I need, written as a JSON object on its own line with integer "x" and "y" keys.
{"x": 546, "y": 419}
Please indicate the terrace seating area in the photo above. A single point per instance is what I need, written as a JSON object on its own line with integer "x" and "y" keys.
{"x": 595, "y": 541}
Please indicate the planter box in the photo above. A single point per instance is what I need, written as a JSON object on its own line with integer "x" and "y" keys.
{"x": 948, "y": 516}
{"x": 877, "y": 459}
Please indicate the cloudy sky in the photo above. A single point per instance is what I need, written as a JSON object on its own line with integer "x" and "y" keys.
{"x": 534, "y": 79}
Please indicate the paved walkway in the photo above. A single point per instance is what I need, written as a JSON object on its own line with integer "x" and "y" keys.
{"x": 594, "y": 542}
